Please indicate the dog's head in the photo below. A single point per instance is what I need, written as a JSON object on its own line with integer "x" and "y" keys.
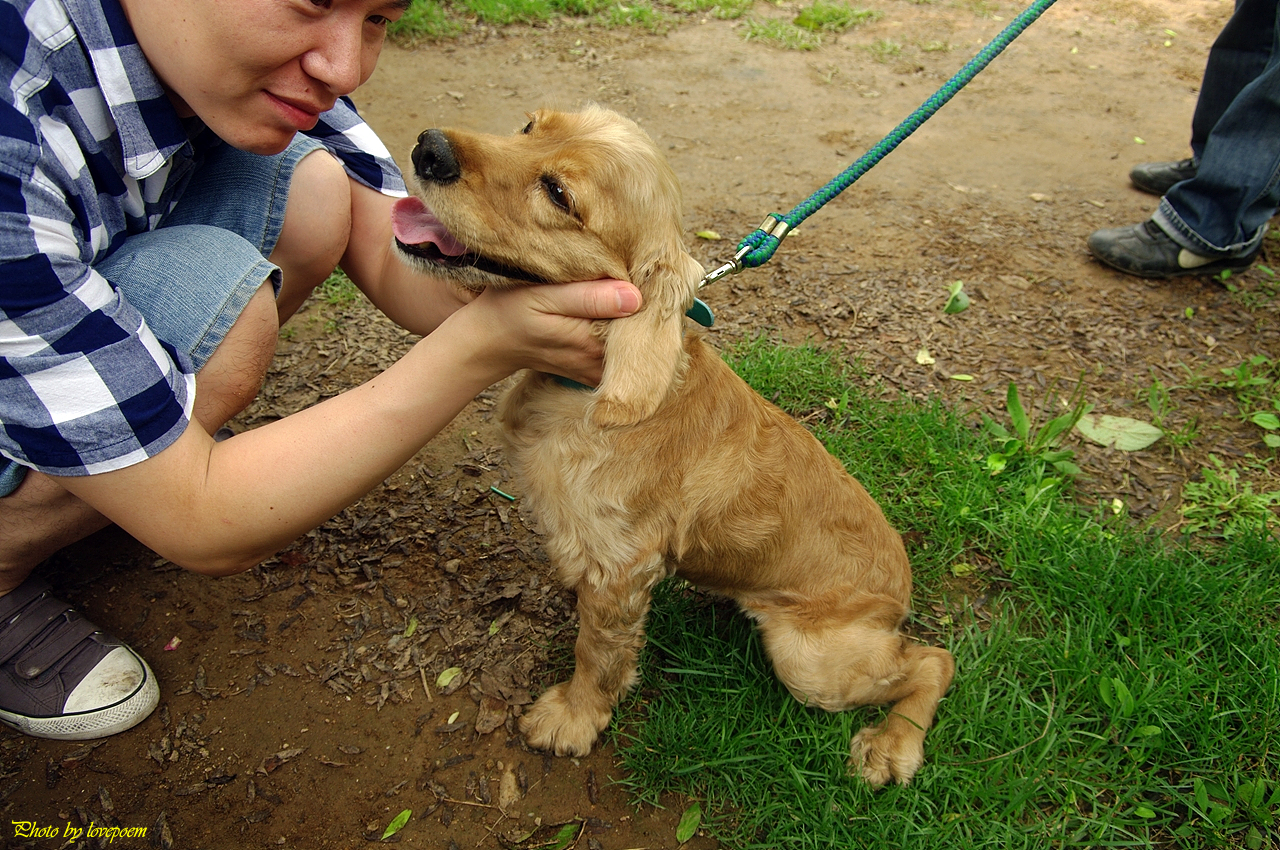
{"x": 573, "y": 196}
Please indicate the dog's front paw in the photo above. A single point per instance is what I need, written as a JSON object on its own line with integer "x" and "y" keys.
{"x": 556, "y": 724}
{"x": 886, "y": 753}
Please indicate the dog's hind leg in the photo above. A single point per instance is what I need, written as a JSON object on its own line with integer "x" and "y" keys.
{"x": 894, "y": 750}
{"x": 836, "y": 665}
{"x": 568, "y": 718}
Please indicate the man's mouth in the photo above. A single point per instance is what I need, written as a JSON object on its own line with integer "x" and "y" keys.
{"x": 302, "y": 115}
{"x": 421, "y": 234}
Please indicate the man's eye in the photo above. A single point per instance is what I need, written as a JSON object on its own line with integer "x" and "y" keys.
{"x": 556, "y": 193}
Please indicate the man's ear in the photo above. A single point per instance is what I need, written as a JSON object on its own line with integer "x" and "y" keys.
{"x": 642, "y": 351}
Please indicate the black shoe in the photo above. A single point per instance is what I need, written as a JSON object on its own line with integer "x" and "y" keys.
{"x": 1159, "y": 177}
{"x": 1147, "y": 251}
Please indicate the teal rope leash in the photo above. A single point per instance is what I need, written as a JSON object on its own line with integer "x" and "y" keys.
{"x": 759, "y": 246}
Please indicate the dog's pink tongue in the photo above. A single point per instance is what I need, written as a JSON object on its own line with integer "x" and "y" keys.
{"x": 415, "y": 224}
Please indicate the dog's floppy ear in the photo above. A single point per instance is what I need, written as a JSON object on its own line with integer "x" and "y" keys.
{"x": 642, "y": 352}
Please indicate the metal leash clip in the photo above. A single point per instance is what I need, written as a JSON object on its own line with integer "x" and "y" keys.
{"x": 732, "y": 267}
{"x": 773, "y": 225}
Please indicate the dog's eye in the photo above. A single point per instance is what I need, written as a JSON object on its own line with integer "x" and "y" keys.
{"x": 528, "y": 128}
{"x": 556, "y": 193}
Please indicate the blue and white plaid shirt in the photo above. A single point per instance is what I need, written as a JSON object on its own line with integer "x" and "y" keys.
{"x": 92, "y": 152}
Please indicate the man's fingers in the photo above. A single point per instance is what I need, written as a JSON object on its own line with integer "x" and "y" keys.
{"x": 600, "y": 299}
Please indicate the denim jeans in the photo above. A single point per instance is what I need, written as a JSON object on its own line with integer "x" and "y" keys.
{"x": 191, "y": 277}
{"x": 1235, "y": 140}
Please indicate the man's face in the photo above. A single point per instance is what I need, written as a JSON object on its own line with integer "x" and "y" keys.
{"x": 258, "y": 71}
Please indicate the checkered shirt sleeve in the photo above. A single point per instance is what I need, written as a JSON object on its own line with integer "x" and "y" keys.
{"x": 91, "y": 152}
{"x": 363, "y": 154}
{"x": 84, "y": 385}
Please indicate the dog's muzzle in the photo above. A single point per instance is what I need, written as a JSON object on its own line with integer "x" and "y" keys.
{"x": 433, "y": 158}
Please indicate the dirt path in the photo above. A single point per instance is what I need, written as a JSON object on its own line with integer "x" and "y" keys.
{"x": 294, "y": 710}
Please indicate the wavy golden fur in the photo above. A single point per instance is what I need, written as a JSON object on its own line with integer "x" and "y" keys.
{"x": 674, "y": 465}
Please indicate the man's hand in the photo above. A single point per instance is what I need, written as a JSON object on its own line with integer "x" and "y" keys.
{"x": 551, "y": 328}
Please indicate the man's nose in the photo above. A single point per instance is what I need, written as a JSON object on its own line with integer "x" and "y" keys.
{"x": 337, "y": 60}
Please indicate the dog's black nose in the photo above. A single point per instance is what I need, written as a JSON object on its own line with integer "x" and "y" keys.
{"x": 433, "y": 158}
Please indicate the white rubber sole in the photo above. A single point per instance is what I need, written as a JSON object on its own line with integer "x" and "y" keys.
{"x": 96, "y": 723}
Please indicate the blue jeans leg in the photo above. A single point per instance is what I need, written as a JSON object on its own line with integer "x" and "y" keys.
{"x": 1224, "y": 209}
{"x": 192, "y": 277}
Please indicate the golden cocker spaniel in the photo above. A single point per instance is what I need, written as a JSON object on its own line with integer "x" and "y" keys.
{"x": 673, "y": 464}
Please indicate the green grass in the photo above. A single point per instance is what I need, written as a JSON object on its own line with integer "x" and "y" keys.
{"x": 884, "y": 49}
{"x": 1219, "y": 503}
{"x": 427, "y": 20}
{"x": 782, "y": 34}
{"x": 338, "y": 290}
{"x": 1255, "y": 383}
{"x": 436, "y": 20}
{"x": 823, "y": 16}
{"x": 728, "y": 9}
{"x": 1113, "y": 689}
{"x": 433, "y": 20}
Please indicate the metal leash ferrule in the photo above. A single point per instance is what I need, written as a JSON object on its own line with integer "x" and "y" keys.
{"x": 775, "y": 226}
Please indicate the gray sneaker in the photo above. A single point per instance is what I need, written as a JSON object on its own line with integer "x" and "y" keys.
{"x": 1159, "y": 177}
{"x": 62, "y": 678}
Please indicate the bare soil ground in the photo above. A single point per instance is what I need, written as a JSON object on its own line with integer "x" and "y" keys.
{"x": 301, "y": 706}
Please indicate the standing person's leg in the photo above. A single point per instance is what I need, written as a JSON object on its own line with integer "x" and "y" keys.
{"x": 1223, "y": 211}
{"x": 1215, "y": 220}
{"x": 204, "y": 291}
{"x": 1237, "y": 57}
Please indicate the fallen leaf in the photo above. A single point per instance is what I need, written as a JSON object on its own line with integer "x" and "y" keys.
{"x": 446, "y": 676}
{"x": 275, "y": 760}
{"x": 174, "y": 643}
{"x": 689, "y": 822}
{"x": 508, "y": 790}
{"x": 709, "y": 235}
{"x": 397, "y": 824}
{"x": 924, "y": 358}
{"x": 1128, "y": 435}
{"x": 492, "y": 714}
{"x": 565, "y": 836}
